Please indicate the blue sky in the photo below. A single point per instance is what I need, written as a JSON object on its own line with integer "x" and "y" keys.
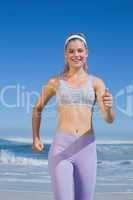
{"x": 32, "y": 38}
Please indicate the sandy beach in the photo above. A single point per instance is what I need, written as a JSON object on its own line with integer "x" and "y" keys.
{"x": 22, "y": 195}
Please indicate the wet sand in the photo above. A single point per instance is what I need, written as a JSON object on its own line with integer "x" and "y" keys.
{"x": 24, "y": 195}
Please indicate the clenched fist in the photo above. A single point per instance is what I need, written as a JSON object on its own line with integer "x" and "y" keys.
{"x": 37, "y": 145}
{"x": 107, "y": 99}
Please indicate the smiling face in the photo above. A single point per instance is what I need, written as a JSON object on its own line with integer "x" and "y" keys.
{"x": 76, "y": 53}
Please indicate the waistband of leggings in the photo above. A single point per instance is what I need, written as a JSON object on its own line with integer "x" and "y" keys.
{"x": 89, "y": 136}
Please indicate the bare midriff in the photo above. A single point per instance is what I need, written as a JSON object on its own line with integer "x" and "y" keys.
{"x": 75, "y": 119}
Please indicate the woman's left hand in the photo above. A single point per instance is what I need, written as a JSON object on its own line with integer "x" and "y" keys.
{"x": 107, "y": 100}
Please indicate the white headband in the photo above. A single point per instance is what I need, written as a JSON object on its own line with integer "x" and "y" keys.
{"x": 75, "y": 36}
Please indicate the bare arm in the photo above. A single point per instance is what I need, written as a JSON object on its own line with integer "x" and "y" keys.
{"x": 48, "y": 91}
{"x": 104, "y": 99}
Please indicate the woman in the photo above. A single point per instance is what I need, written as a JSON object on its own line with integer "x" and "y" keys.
{"x": 72, "y": 156}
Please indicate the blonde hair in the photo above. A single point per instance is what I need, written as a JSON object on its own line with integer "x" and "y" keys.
{"x": 65, "y": 69}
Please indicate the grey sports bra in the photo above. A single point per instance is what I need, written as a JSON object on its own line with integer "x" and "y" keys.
{"x": 82, "y": 95}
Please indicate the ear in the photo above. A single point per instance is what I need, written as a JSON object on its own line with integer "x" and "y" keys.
{"x": 65, "y": 55}
{"x": 87, "y": 53}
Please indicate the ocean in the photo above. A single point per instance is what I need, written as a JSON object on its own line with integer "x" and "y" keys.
{"x": 21, "y": 169}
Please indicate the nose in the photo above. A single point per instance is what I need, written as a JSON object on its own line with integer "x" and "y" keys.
{"x": 76, "y": 53}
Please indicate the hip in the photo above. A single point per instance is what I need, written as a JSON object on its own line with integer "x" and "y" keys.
{"x": 68, "y": 144}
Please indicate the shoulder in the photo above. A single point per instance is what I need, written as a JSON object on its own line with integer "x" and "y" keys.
{"x": 97, "y": 81}
{"x": 52, "y": 82}
{"x": 53, "y": 79}
{"x": 98, "y": 85}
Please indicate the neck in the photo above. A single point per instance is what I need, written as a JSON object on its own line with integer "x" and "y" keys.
{"x": 76, "y": 72}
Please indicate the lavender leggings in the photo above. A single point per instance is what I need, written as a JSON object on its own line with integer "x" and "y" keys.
{"x": 72, "y": 166}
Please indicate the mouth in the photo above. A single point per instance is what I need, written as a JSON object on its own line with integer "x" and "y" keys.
{"x": 76, "y": 61}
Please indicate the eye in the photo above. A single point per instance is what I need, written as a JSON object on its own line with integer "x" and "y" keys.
{"x": 70, "y": 51}
{"x": 80, "y": 50}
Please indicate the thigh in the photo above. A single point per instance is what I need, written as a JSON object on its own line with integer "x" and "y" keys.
{"x": 62, "y": 181}
{"x": 85, "y": 172}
